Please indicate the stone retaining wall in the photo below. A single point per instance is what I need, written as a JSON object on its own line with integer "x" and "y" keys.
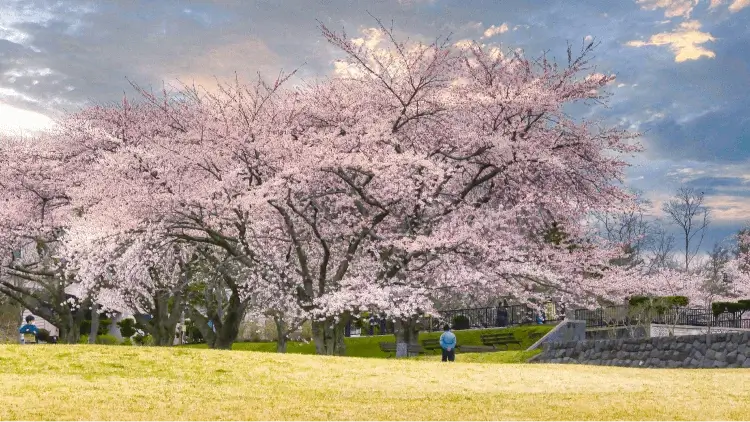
{"x": 612, "y": 333}
{"x": 722, "y": 350}
{"x": 565, "y": 331}
{"x": 663, "y": 330}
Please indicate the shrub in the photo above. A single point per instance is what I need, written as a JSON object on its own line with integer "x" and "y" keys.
{"x": 461, "y": 322}
{"x": 84, "y": 339}
{"x": 143, "y": 339}
{"x": 269, "y": 330}
{"x": 304, "y": 333}
{"x": 658, "y": 303}
{"x": 740, "y": 306}
{"x": 127, "y": 327}
{"x": 363, "y": 322}
{"x": 127, "y": 342}
{"x": 107, "y": 339}
{"x": 103, "y": 326}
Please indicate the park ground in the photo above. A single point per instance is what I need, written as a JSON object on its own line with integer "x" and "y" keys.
{"x": 97, "y": 382}
{"x": 368, "y": 347}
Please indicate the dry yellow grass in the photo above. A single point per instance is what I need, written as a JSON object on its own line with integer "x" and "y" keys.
{"x": 129, "y": 383}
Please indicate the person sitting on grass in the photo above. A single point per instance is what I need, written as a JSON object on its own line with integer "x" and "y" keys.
{"x": 448, "y": 344}
{"x": 29, "y": 329}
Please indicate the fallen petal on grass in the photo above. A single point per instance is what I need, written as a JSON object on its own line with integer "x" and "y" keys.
{"x": 92, "y": 382}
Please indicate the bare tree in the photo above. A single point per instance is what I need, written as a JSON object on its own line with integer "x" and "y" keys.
{"x": 629, "y": 228}
{"x": 688, "y": 212}
{"x": 717, "y": 282}
{"x": 659, "y": 247}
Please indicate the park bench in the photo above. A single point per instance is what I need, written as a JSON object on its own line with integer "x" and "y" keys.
{"x": 28, "y": 338}
{"x": 431, "y": 345}
{"x": 411, "y": 349}
{"x": 499, "y": 340}
{"x": 475, "y": 349}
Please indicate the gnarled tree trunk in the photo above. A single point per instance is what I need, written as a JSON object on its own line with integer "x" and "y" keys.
{"x": 281, "y": 334}
{"x": 94, "y": 323}
{"x": 407, "y": 334}
{"x": 228, "y": 328}
{"x": 328, "y": 336}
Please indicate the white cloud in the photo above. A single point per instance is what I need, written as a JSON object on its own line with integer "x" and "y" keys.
{"x": 728, "y": 207}
{"x": 738, "y": 5}
{"x": 672, "y": 8}
{"x": 464, "y": 43}
{"x": 684, "y": 42}
{"x": 15, "y": 120}
{"x": 692, "y": 116}
{"x": 494, "y": 30}
{"x": 372, "y": 38}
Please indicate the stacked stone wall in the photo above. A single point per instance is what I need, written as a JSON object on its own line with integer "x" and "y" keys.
{"x": 721, "y": 350}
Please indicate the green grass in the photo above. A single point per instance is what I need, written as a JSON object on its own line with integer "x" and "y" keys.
{"x": 514, "y": 356}
{"x": 97, "y": 382}
{"x": 367, "y": 347}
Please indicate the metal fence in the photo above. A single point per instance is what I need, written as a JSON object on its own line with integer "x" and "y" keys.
{"x": 489, "y": 317}
{"x": 614, "y": 316}
{"x": 737, "y": 323}
{"x": 496, "y": 316}
{"x": 486, "y": 317}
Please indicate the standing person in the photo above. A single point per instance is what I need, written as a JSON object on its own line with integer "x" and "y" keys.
{"x": 29, "y": 329}
{"x": 502, "y": 316}
{"x": 448, "y": 344}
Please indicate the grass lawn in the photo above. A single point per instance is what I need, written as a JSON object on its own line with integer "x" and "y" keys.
{"x": 514, "y": 356}
{"x": 367, "y": 347}
{"x": 95, "y": 382}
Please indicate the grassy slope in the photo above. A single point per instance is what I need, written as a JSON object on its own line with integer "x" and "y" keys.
{"x": 91, "y": 382}
{"x": 368, "y": 346}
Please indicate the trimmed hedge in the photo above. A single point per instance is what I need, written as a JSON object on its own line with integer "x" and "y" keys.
{"x": 102, "y": 339}
{"x": 368, "y": 347}
{"x": 740, "y": 306}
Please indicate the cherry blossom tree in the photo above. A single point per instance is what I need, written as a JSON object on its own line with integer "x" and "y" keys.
{"x": 457, "y": 153}
{"x": 141, "y": 273}
{"x": 36, "y": 206}
{"x": 738, "y": 268}
{"x": 417, "y": 168}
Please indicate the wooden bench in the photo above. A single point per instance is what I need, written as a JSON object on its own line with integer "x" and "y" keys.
{"x": 29, "y": 338}
{"x": 431, "y": 345}
{"x": 499, "y": 340}
{"x": 475, "y": 349}
{"x": 390, "y": 348}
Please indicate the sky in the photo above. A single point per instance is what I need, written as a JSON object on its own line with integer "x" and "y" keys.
{"x": 682, "y": 66}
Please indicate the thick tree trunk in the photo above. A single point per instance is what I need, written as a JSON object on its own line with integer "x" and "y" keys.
{"x": 70, "y": 330}
{"x": 68, "y": 323}
{"x": 201, "y": 322}
{"x": 281, "y": 345}
{"x": 228, "y": 328}
{"x": 328, "y": 336}
{"x": 281, "y": 333}
{"x": 94, "y": 324}
{"x": 407, "y": 333}
{"x": 114, "y": 329}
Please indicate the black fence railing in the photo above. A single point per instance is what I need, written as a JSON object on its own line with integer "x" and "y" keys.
{"x": 614, "y": 316}
{"x": 461, "y": 319}
{"x": 486, "y": 317}
{"x": 496, "y": 316}
{"x": 737, "y": 323}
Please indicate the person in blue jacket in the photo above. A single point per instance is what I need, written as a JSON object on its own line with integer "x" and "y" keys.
{"x": 29, "y": 328}
{"x": 448, "y": 344}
